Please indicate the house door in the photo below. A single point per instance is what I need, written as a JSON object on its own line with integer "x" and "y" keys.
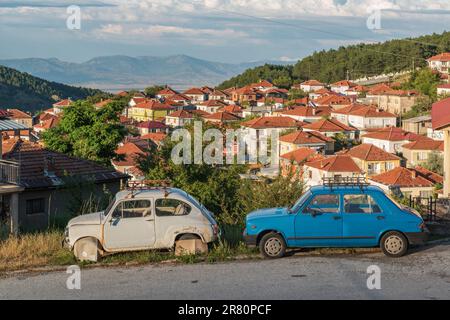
{"x": 130, "y": 226}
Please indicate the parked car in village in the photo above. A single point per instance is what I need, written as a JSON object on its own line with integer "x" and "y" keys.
{"x": 337, "y": 215}
{"x": 141, "y": 219}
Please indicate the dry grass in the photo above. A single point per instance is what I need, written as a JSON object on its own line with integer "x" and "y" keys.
{"x": 33, "y": 250}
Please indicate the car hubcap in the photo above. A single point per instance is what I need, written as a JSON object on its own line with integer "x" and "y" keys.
{"x": 273, "y": 246}
{"x": 394, "y": 244}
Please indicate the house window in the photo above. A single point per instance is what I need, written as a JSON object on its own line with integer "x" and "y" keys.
{"x": 35, "y": 206}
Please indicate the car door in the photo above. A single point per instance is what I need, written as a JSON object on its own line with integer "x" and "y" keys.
{"x": 319, "y": 222}
{"x": 363, "y": 219}
{"x": 131, "y": 225}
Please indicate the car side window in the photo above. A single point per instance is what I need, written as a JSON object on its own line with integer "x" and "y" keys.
{"x": 360, "y": 203}
{"x": 171, "y": 207}
{"x": 133, "y": 209}
{"x": 323, "y": 203}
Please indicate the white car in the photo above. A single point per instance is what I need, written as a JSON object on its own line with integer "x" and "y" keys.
{"x": 154, "y": 218}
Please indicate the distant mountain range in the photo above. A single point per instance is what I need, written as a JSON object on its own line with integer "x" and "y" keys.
{"x": 123, "y": 72}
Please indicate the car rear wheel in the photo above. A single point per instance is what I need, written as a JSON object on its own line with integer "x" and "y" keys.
{"x": 272, "y": 246}
{"x": 394, "y": 244}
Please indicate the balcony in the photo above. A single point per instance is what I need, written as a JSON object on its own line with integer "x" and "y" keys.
{"x": 9, "y": 172}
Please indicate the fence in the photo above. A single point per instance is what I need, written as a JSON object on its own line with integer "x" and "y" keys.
{"x": 431, "y": 209}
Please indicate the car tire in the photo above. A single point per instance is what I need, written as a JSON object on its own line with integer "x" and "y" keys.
{"x": 272, "y": 246}
{"x": 87, "y": 249}
{"x": 394, "y": 244}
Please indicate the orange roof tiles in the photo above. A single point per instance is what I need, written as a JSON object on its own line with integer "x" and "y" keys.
{"x": 425, "y": 144}
{"x": 338, "y": 163}
{"x": 272, "y": 122}
{"x": 369, "y": 152}
{"x": 444, "y": 57}
{"x": 440, "y": 114}
{"x": 328, "y": 125}
{"x": 402, "y": 177}
{"x": 305, "y": 137}
{"x": 301, "y": 155}
{"x": 394, "y": 134}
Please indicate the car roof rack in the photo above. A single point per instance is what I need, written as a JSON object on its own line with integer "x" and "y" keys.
{"x": 345, "y": 181}
{"x": 143, "y": 185}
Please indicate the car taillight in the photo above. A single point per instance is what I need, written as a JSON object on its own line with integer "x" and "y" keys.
{"x": 422, "y": 226}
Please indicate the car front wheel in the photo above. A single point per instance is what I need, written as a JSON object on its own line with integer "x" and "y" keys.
{"x": 394, "y": 244}
{"x": 272, "y": 246}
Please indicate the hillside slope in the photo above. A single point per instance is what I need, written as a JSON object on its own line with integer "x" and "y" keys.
{"x": 359, "y": 60}
{"x": 21, "y": 90}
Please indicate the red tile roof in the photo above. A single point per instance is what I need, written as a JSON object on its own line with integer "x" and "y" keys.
{"x": 102, "y": 103}
{"x": 272, "y": 122}
{"x": 178, "y": 97}
{"x": 34, "y": 159}
{"x": 151, "y": 125}
{"x": 333, "y": 99}
{"x": 328, "y": 125}
{"x": 156, "y": 137}
{"x": 131, "y": 153}
{"x": 307, "y": 111}
{"x": 301, "y": 155}
{"x": 63, "y": 103}
{"x": 231, "y": 108}
{"x": 444, "y": 57}
{"x": 167, "y": 91}
{"x": 214, "y": 103}
{"x": 429, "y": 175}
{"x": 394, "y": 134}
{"x": 379, "y": 89}
{"x": 444, "y": 86}
{"x": 365, "y": 111}
{"x": 425, "y": 144}
{"x": 344, "y": 83}
{"x": 194, "y": 91}
{"x": 369, "y": 152}
{"x": 181, "y": 114}
{"x": 153, "y": 105}
{"x": 305, "y": 137}
{"x": 440, "y": 114}
{"x": 222, "y": 116}
{"x": 338, "y": 163}
{"x": 18, "y": 114}
{"x": 312, "y": 82}
{"x": 402, "y": 177}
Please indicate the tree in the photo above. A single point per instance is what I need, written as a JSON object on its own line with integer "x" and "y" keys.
{"x": 421, "y": 107}
{"x": 153, "y": 90}
{"x": 425, "y": 81}
{"x": 297, "y": 94}
{"x": 87, "y": 133}
{"x": 435, "y": 163}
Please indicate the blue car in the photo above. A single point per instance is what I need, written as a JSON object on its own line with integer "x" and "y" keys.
{"x": 344, "y": 216}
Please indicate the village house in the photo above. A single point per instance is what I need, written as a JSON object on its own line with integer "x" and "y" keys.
{"x": 179, "y": 118}
{"x": 335, "y": 101}
{"x": 178, "y": 99}
{"x": 395, "y": 101}
{"x": 129, "y": 155}
{"x": 46, "y": 121}
{"x": 406, "y": 182}
{"x": 263, "y": 85}
{"x": 197, "y": 95}
{"x": 342, "y": 86}
{"x": 136, "y": 100}
{"x": 261, "y": 111}
{"x": 151, "y": 127}
{"x": 305, "y": 113}
{"x": 291, "y": 163}
{"x": 339, "y": 166}
{"x": 441, "y": 121}
{"x": 211, "y": 106}
{"x": 246, "y": 94}
{"x": 391, "y": 139}
{"x": 443, "y": 90}
{"x": 418, "y": 125}
{"x": 320, "y": 93}
{"x": 156, "y": 137}
{"x": 331, "y": 128}
{"x": 149, "y": 110}
{"x": 310, "y": 86}
{"x": 59, "y": 106}
{"x": 165, "y": 93}
{"x": 20, "y": 117}
{"x": 364, "y": 117}
{"x": 418, "y": 152}
{"x": 440, "y": 62}
{"x": 235, "y": 109}
{"x": 40, "y": 186}
{"x": 221, "y": 118}
{"x": 310, "y": 139}
{"x": 219, "y": 95}
{"x": 371, "y": 159}
{"x": 356, "y": 91}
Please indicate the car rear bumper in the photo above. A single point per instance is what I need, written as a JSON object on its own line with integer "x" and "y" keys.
{"x": 250, "y": 240}
{"x": 417, "y": 238}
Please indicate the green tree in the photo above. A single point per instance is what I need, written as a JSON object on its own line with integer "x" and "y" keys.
{"x": 425, "y": 81}
{"x": 153, "y": 90}
{"x": 87, "y": 133}
{"x": 435, "y": 163}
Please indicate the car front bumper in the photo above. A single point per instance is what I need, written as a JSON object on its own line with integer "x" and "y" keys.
{"x": 417, "y": 238}
{"x": 250, "y": 240}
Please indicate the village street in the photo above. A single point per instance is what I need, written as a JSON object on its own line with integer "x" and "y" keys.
{"x": 423, "y": 274}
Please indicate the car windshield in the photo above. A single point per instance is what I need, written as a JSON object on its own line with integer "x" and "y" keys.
{"x": 300, "y": 201}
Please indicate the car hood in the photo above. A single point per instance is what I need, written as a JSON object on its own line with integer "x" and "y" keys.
{"x": 262, "y": 213}
{"x": 91, "y": 218}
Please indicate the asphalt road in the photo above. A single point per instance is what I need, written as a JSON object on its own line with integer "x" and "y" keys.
{"x": 423, "y": 274}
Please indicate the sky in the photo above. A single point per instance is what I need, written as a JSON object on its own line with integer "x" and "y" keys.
{"x": 219, "y": 30}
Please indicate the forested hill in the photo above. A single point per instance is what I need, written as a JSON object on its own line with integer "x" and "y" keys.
{"x": 21, "y": 90}
{"x": 360, "y": 60}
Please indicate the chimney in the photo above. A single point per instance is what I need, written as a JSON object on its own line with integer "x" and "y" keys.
{"x": 413, "y": 174}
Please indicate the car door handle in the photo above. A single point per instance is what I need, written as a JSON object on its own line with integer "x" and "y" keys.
{"x": 380, "y": 218}
{"x": 337, "y": 218}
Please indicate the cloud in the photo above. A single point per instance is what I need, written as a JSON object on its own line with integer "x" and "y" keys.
{"x": 52, "y": 4}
